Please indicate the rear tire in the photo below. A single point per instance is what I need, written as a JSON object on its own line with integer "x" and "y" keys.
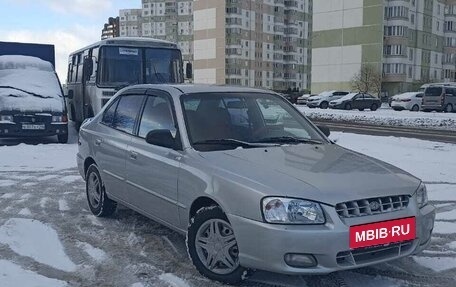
{"x": 99, "y": 203}
{"x": 415, "y": 108}
{"x": 324, "y": 105}
{"x": 208, "y": 234}
{"x": 348, "y": 106}
{"x": 374, "y": 107}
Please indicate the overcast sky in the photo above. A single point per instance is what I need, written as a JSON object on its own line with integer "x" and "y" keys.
{"x": 69, "y": 25}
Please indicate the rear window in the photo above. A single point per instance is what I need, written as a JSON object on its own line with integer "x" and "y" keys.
{"x": 433, "y": 92}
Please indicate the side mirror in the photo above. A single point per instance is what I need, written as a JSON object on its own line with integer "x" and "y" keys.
{"x": 325, "y": 130}
{"x": 188, "y": 71}
{"x": 163, "y": 138}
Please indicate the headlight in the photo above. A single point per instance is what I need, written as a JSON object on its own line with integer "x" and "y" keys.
{"x": 6, "y": 118}
{"x": 292, "y": 211}
{"x": 421, "y": 195}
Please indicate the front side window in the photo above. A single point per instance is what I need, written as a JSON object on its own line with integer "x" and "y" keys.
{"x": 126, "y": 113}
{"x": 254, "y": 118}
{"x": 157, "y": 115}
{"x": 433, "y": 92}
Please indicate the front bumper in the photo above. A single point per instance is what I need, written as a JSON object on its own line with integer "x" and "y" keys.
{"x": 336, "y": 106}
{"x": 263, "y": 246}
{"x": 313, "y": 104}
{"x": 401, "y": 105}
{"x": 12, "y": 130}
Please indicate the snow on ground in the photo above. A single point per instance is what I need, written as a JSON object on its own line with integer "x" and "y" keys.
{"x": 385, "y": 116}
{"x": 34, "y": 239}
{"x": 45, "y": 223}
{"x": 173, "y": 280}
{"x": 12, "y": 275}
{"x": 37, "y": 157}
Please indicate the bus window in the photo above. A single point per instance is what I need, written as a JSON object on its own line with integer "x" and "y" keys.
{"x": 163, "y": 66}
{"x": 120, "y": 66}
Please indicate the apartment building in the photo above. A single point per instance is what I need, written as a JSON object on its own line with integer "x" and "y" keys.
{"x": 257, "y": 43}
{"x": 405, "y": 40}
{"x": 111, "y": 29}
{"x": 253, "y": 43}
{"x": 170, "y": 20}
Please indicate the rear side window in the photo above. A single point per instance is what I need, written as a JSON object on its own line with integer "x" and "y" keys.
{"x": 433, "y": 92}
{"x": 127, "y": 111}
{"x": 108, "y": 115}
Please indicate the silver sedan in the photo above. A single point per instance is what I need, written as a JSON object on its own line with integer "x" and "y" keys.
{"x": 250, "y": 181}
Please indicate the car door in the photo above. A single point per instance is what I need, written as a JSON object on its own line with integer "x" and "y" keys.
{"x": 368, "y": 101}
{"x": 152, "y": 171}
{"x": 111, "y": 143}
{"x": 358, "y": 102}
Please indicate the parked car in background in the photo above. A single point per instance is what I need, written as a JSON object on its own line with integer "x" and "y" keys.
{"x": 31, "y": 99}
{"x": 239, "y": 186}
{"x": 322, "y": 100}
{"x": 302, "y": 100}
{"x": 439, "y": 98}
{"x": 358, "y": 101}
{"x": 407, "y": 101}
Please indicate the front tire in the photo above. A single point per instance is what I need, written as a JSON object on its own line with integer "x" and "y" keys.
{"x": 213, "y": 248}
{"x": 324, "y": 105}
{"x": 100, "y": 205}
{"x": 348, "y": 106}
{"x": 374, "y": 107}
{"x": 415, "y": 108}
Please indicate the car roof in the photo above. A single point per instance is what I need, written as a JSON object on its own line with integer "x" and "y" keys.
{"x": 179, "y": 89}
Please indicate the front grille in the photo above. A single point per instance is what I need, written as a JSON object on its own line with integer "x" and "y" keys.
{"x": 371, "y": 206}
{"x": 372, "y": 254}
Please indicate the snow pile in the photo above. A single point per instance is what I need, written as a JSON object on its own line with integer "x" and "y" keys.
{"x": 385, "y": 117}
{"x": 31, "y": 238}
{"x": 173, "y": 280}
{"x": 12, "y": 275}
{"x": 28, "y": 84}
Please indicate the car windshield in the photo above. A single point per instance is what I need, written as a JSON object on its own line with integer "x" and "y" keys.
{"x": 433, "y": 91}
{"x": 217, "y": 121}
{"x": 123, "y": 66}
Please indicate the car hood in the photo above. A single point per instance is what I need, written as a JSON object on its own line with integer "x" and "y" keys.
{"x": 325, "y": 173}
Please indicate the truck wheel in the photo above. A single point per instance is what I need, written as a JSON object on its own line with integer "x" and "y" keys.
{"x": 213, "y": 248}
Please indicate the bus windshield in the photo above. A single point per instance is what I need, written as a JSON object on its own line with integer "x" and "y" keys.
{"x": 123, "y": 66}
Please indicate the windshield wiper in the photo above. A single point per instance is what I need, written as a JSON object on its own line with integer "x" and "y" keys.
{"x": 24, "y": 91}
{"x": 288, "y": 140}
{"x": 233, "y": 142}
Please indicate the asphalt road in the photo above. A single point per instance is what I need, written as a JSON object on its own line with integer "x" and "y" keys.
{"x": 376, "y": 130}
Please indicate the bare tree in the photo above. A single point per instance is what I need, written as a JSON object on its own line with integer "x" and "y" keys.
{"x": 367, "y": 80}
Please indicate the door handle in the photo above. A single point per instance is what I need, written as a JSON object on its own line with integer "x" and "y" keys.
{"x": 133, "y": 155}
{"x": 98, "y": 142}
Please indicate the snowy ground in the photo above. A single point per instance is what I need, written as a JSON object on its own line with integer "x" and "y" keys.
{"x": 49, "y": 238}
{"x": 385, "y": 116}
